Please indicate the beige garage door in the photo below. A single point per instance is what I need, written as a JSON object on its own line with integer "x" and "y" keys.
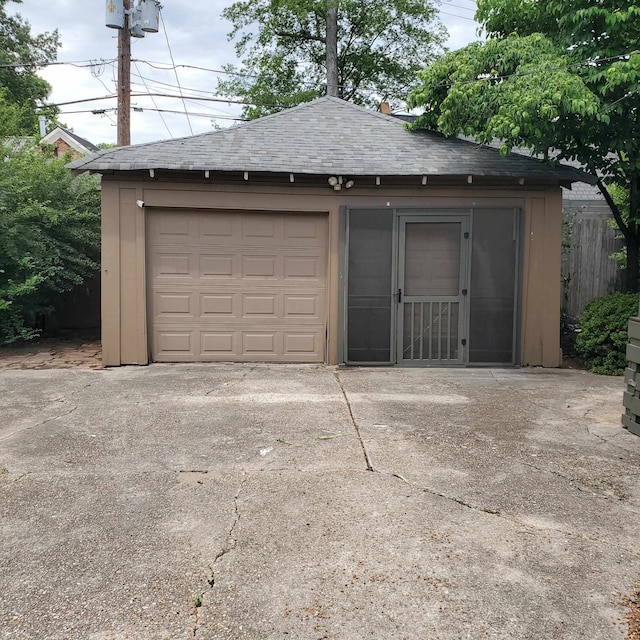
{"x": 237, "y": 286}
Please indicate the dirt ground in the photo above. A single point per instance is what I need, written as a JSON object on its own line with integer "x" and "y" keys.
{"x": 53, "y": 353}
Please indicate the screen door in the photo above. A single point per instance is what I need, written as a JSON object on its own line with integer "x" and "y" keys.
{"x": 431, "y": 289}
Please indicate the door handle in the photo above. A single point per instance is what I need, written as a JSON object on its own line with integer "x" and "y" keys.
{"x": 399, "y": 296}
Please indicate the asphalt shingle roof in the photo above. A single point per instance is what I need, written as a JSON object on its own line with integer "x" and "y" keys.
{"x": 324, "y": 137}
{"x": 83, "y": 141}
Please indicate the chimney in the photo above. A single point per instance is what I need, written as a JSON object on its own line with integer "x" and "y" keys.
{"x": 42, "y": 121}
{"x": 385, "y": 108}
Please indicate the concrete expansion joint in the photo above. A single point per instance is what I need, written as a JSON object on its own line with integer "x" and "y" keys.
{"x": 367, "y": 459}
{"x": 40, "y": 424}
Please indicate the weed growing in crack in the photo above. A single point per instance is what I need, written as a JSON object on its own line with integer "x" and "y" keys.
{"x": 198, "y": 599}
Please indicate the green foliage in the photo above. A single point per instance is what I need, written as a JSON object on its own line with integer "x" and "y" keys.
{"x": 381, "y": 46}
{"x": 620, "y": 196}
{"x": 560, "y": 77}
{"x": 603, "y": 340}
{"x": 21, "y": 89}
{"x": 49, "y": 237}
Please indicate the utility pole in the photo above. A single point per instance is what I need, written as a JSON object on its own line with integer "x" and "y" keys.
{"x": 145, "y": 18}
{"x": 124, "y": 80}
{"x": 332, "y": 49}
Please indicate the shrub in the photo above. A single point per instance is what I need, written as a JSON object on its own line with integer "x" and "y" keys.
{"x": 49, "y": 237}
{"x": 603, "y": 339}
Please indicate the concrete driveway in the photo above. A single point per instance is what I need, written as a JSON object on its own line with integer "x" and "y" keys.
{"x": 259, "y": 502}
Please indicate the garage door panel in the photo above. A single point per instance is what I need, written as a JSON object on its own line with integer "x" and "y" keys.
{"x": 176, "y": 341}
{"x": 242, "y": 287}
{"x": 218, "y": 304}
{"x": 301, "y": 343}
{"x": 263, "y": 226}
{"x": 216, "y": 266}
{"x": 307, "y": 267}
{"x": 230, "y": 343}
{"x": 305, "y": 231}
{"x": 218, "y": 344}
{"x": 169, "y": 228}
{"x": 220, "y": 226}
{"x": 258, "y": 266}
{"x": 173, "y": 304}
{"x": 264, "y": 305}
{"x": 305, "y": 305}
{"x": 167, "y": 265}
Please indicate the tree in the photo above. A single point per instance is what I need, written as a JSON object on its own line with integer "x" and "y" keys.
{"x": 49, "y": 236}
{"x": 286, "y": 47}
{"x": 21, "y": 89}
{"x": 560, "y": 77}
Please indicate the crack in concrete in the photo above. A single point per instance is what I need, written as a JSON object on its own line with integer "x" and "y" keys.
{"x": 60, "y": 399}
{"x": 39, "y": 424}
{"x": 468, "y": 505}
{"x": 231, "y": 542}
{"x": 367, "y": 460}
{"x": 229, "y": 545}
{"x": 527, "y": 525}
{"x": 579, "y": 483}
{"x": 606, "y": 439}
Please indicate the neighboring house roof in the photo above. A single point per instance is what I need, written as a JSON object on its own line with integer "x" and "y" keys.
{"x": 73, "y": 140}
{"x": 324, "y": 137}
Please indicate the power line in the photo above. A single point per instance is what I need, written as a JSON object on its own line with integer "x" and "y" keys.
{"x": 164, "y": 66}
{"x": 455, "y": 15}
{"x": 79, "y": 64}
{"x": 457, "y": 6}
{"x": 154, "y": 103}
{"x": 166, "y": 35}
{"x": 157, "y": 95}
{"x": 105, "y": 112}
{"x": 196, "y": 114}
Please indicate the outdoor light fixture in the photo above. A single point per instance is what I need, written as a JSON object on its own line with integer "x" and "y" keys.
{"x": 336, "y": 182}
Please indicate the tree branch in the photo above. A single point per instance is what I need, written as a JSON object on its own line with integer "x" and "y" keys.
{"x": 617, "y": 215}
{"x": 300, "y": 36}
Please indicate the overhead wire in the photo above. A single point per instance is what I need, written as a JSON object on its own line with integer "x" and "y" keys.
{"x": 104, "y": 112}
{"x": 588, "y": 61}
{"x": 166, "y": 35}
{"x": 166, "y": 126}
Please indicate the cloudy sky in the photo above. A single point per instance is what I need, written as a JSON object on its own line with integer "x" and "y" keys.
{"x": 195, "y": 37}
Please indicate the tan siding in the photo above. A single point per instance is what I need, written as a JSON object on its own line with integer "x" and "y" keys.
{"x": 110, "y": 291}
{"x": 551, "y": 354}
{"x": 541, "y": 290}
{"x": 130, "y": 301}
{"x": 142, "y": 342}
{"x": 539, "y": 330}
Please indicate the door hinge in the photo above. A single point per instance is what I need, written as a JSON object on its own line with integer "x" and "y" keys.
{"x": 464, "y": 342}
{"x": 464, "y": 292}
{"x": 466, "y": 235}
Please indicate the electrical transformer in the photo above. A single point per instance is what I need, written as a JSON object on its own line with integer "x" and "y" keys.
{"x": 135, "y": 23}
{"x": 115, "y": 14}
{"x": 150, "y": 15}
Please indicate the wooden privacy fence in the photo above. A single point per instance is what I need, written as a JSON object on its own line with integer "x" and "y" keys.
{"x": 587, "y": 270}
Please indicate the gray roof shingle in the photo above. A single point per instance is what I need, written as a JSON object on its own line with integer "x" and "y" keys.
{"x": 326, "y": 136}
